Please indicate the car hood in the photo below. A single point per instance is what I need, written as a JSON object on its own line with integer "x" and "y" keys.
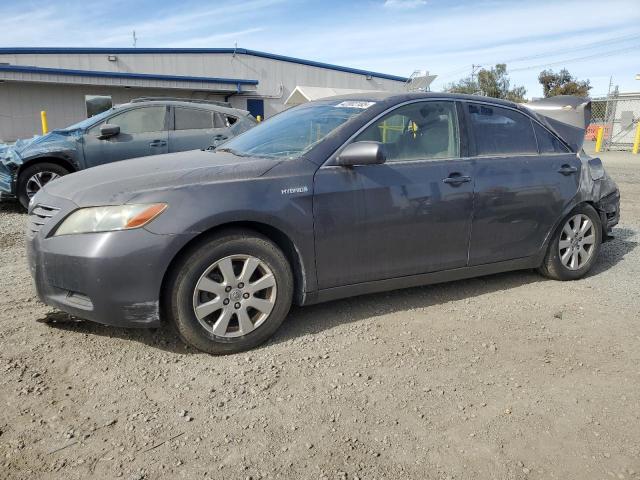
{"x": 54, "y": 141}
{"x": 119, "y": 182}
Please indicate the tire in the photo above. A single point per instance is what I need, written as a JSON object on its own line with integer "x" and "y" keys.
{"x": 560, "y": 267}
{"x": 202, "y": 280}
{"x": 27, "y": 186}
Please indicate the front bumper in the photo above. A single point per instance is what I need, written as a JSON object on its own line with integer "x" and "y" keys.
{"x": 7, "y": 183}
{"x": 113, "y": 278}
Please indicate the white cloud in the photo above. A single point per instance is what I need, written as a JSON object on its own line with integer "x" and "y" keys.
{"x": 404, "y": 3}
{"x": 445, "y": 38}
{"x": 209, "y": 41}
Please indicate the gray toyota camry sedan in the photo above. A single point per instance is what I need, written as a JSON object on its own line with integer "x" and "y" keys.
{"x": 334, "y": 198}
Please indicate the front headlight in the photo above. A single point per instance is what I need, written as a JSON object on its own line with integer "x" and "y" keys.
{"x": 107, "y": 219}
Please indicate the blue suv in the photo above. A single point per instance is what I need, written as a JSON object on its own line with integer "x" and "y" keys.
{"x": 145, "y": 126}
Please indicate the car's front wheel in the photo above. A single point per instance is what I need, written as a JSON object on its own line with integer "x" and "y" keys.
{"x": 574, "y": 247}
{"x": 230, "y": 293}
{"x": 34, "y": 177}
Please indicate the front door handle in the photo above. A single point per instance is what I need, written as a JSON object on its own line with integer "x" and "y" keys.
{"x": 158, "y": 143}
{"x": 567, "y": 169}
{"x": 456, "y": 179}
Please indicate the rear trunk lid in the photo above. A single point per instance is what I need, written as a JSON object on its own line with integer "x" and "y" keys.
{"x": 566, "y": 115}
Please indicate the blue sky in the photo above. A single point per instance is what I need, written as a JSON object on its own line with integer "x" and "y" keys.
{"x": 593, "y": 39}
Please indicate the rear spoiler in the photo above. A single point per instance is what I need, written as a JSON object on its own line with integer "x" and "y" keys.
{"x": 566, "y": 115}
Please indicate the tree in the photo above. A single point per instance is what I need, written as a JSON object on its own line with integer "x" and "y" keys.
{"x": 490, "y": 83}
{"x": 562, "y": 83}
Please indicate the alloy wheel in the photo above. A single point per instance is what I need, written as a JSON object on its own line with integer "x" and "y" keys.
{"x": 39, "y": 180}
{"x": 577, "y": 242}
{"x": 234, "y": 296}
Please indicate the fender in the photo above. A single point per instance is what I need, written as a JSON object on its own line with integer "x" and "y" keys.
{"x": 67, "y": 158}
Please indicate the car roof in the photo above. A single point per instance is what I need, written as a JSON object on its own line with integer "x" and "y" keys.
{"x": 188, "y": 104}
{"x": 399, "y": 97}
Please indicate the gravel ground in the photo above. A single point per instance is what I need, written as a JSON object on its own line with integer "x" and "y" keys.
{"x": 507, "y": 376}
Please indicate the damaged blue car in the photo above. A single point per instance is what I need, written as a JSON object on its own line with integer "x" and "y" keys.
{"x": 143, "y": 127}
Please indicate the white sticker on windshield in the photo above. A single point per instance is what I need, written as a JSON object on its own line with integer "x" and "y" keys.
{"x": 355, "y": 104}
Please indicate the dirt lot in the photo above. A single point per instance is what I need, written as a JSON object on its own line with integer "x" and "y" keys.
{"x": 508, "y": 376}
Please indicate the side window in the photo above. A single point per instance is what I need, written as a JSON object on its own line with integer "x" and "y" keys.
{"x": 224, "y": 121}
{"x": 139, "y": 120}
{"x": 500, "y": 131}
{"x": 192, "y": 119}
{"x": 548, "y": 143}
{"x": 417, "y": 131}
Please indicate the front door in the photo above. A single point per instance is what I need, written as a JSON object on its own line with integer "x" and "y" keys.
{"x": 524, "y": 179}
{"x": 408, "y": 216}
{"x": 143, "y": 131}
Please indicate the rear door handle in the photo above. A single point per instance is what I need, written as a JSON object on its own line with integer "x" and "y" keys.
{"x": 456, "y": 179}
{"x": 567, "y": 169}
{"x": 158, "y": 143}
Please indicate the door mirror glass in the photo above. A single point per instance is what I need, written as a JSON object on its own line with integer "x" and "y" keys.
{"x": 362, "y": 153}
{"x": 108, "y": 130}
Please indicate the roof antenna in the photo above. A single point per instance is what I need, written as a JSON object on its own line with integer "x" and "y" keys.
{"x": 135, "y": 39}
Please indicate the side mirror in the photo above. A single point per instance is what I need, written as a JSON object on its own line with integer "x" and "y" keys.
{"x": 108, "y": 130}
{"x": 362, "y": 153}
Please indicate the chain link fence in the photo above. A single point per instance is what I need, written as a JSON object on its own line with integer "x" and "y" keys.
{"x": 618, "y": 115}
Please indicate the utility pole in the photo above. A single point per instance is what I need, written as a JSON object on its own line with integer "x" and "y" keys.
{"x": 135, "y": 39}
{"x": 475, "y": 68}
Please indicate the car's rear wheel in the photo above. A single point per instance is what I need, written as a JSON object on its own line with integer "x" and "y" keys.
{"x": 230, "y": 293}
{"x": 34, "y": 177}
{"x": 574, "y": 247}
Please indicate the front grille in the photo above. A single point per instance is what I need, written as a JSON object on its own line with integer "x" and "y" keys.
{"x": 39, "y": 217}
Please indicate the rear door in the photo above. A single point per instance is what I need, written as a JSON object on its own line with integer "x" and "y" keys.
{"x": 195, "y": 128}
{"x": 524, "y": 178}
{"x": 143, "y": 132}
{"x": 408, "y": 216}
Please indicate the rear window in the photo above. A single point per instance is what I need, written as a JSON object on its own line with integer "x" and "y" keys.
{"x": 548, "y": 143}
{"x": 500, "y": 131}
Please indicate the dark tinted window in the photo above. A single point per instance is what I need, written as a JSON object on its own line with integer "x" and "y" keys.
{"x": 192, "y": 119}
{"x": 417, "y": 131}
{"x": 500, "y": 131}
{"x": 548, "y": 143}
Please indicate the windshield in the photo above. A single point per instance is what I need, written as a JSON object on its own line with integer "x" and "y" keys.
{"x": 87, "y": 122}
{"x": 292, "y": 133}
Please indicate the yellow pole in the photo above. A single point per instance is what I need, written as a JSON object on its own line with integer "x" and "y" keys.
{"x": 259, "y": 118}
{"x": 45, "y": 125}
{"x": 599, "y": 139}
{"x": 636, "y": 142}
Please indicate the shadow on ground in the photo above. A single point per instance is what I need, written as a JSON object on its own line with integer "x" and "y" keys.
{"x": 613, "y": 251}
{"x": 11, "y": 206}
{"x": 316, "y": 318}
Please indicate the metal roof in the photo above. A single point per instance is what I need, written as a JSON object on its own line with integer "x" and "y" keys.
{"x": 303, "y": 94}
{"x": 139, "y": 76}
{"x": 237, "y": 51}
